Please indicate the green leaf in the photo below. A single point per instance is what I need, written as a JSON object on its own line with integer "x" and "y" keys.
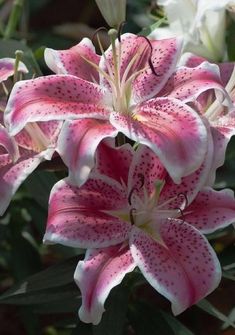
{"x": 8, "y": 48}
{"x": 39, "y": 185}
{"x": 52, "y": 284}
{"x": 176, "y": 325}
{"x": 114, "y": 318}
{"x": 207, "y": 307}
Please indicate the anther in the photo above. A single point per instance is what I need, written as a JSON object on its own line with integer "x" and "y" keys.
{"x": 120, "y": 28}
{"x": 150, "y": 57}
{"x": 131, "y": 216}
{"x": 96, "y": 33}
{"x": 185, "y": 198}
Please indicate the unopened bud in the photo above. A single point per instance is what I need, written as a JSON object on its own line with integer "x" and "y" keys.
{"x": 113, "y": 11}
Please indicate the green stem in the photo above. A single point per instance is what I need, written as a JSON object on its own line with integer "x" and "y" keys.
{"x": 14, "y": 18}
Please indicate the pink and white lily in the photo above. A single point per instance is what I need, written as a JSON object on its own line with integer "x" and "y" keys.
{"x": 221, "y": 118}
{"x": 130, "y": 213}
{"x": 99, "y": 96}
{"x": 20, "y": 155}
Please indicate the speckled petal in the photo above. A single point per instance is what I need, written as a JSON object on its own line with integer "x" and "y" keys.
{"x": 72, "y": 61}
{"x": 58, "y": 97}
{"x": 12, "y": 175}
{"x": 185, "y": 192}
{"x": 186, "y": 84}
{"x": 8, "y": 143}
{"x": 185, "y": 270}
{"x": 101, "y": 270}
{"x": 211, "y": 210}
{"x": 77, "y": 145}
{"x": 145, "y": 167}
{"x": 114, "y": 162}
{"x": 164, "y": 57}
{"x": 173, "y": 130}
{"x": 7, "y": 68}
{"x": 77, "y": 216}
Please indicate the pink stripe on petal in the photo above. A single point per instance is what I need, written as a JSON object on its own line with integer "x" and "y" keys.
{"x": 101, "y": 270}
{"x": 173, "y": 130}
{"x": 164, "y": 57}
{"x": 185, "y": 270}
{"x": 211, "y": 210}
{"x": 58, "y": 97}
{"x": 114, "y": 162}
{"x": 71, "y": 61}
{"x": 77, "y": 145}
{"x": 78, "y": 216}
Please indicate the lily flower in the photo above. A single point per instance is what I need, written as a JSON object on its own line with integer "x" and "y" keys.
{"x": 130, "y": 213}
{"x": 20, "y": 155}
{"x": 220, "y": 118}
{"x": 118, "y": 91}
{"x": 200, "y": 22}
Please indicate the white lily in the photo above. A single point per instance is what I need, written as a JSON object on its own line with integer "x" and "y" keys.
{"x": 200, "y": 22}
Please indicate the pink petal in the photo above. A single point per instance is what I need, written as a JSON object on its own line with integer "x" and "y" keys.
{"x": 190, "y": 60}
{"x": 145, "y": 163}
{"x": 71, "y": 61}
{"x": 7, "y": 68}
{"x": 101, "y": 270}
{"x": 8, "y": 143}
{"x": 77, "y": 216}
{"x": 114, "y": 162}
{"x": 226, "y": 70}
{"x": 164, "y": 57}
{"x": 77, "y": 145}
{"x": 173, "y": 130}
{"x": 190, "y": 185}
{"x": 50, "y": 130}
{"x": 211, "y": 210}
{"x": 57, "y": 97}
{"x": 12, "y": 175}
{"x": 185, "y": 270}
{"x": 188, "y": 83}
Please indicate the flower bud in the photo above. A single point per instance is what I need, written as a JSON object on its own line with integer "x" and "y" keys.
{"x": 113, "y": 11}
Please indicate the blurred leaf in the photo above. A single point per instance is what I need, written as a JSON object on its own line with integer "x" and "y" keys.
{"x": 45, "y": 286}
{"x": 39, "y": 185}
{"x": 176, "y": 325}
{"x": 207, "y": 307}
{"x": 8, "y": 48}
{"x": 147, "y": 319}
{"x": 114, "y": 318}
{"x": 82, "y": 329}
{"x": 230, "y": 41}
{"x": 148, "y": 30}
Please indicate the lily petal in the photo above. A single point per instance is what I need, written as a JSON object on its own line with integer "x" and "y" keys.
{"x": 12, "y": 175}
{"x": 77, "y": 145}
{"x": 211, "y": 210}
{"x": 165, "y": 54}
{"x": 188, "y": 83}
{"x": 7, "y": 66}
{"x": 173, "y": 130}
{"x": 185, "y": 270}
{"x": 57, "y": 97}
{"x": 8, "y": 143}
{"x": 114, "y": 162}
{"x": 101, "y": 270}
{"x": 73, "y": 60}
{"x": 78, "y": 216}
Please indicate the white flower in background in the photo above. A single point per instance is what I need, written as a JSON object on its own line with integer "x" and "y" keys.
{"x": 201, "y": 22}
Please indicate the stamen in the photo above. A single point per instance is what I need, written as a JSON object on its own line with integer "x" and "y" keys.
{"x": 141, "y": 176}
{"x": 181, "y": 213}
{"x": 131, "y": 216}
{"x": 150, "y": 57}
{"x": 120, "y": 28}
{"x": 185, "y": 198}
{"x": 96, "y": 33}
